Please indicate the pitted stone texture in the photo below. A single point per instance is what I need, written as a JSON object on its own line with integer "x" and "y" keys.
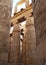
{"x": 30, "y": 21}
{"x": 30, "y": 46}
{"x": 40, "y": 26}
{"x": 5, "y": 14}
{"x": 2, "y": 56}
{"x": 15, "y": 46}
{"x": 29, "y": 43}
{"x": 7, "y": 3}
{"x": 5, "y": 17}
{"x": 24, "y": 49}
{"x": 16, "y": 28}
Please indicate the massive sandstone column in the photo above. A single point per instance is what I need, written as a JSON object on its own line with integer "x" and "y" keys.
{"x": 39, "y": 7}
{"x": 29, "y": 44}
{"x": 5, "y": 17}
{"x": 15, "y": 46}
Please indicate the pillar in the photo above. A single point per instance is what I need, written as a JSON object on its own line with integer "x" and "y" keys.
{"x": 15, "y": 46}
{"x": 24, "y": 50}
{"x": 39, "y": 8}
{"x": 29, "y": 44}
{"x": 5, "y": 17}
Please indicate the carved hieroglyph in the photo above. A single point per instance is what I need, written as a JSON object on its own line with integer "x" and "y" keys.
{"x": 15, "y": 46}
{"x": 5, "y": 17}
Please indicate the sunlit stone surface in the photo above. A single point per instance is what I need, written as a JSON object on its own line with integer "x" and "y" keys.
{"x": 29, "y": 43}
{"x": 15, "y": 46}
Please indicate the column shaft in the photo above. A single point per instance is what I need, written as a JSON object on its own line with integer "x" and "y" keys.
{"x": 39, "y": 7}
{"x": 30, "y": 43}
{"x": 15, "y": 46}
{"x": 5, "y": 16}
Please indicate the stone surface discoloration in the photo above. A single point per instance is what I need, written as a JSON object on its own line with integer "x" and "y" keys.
{"x": 15, "y": 46}
{"x": 29, "y": 43}
{"x": 5, "y": 17}
{"x": 39, "y": 7}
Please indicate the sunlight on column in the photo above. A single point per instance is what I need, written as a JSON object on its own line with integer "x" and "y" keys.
{"x": 22, "y": 25}
{"x": 11, "y": 30}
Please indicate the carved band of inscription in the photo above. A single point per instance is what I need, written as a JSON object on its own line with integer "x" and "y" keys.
{"x": 5, "y": 6}
{"x": 3, "y": 28}
{"x": 40, "y": 13}
{"x": 35, "y": 4}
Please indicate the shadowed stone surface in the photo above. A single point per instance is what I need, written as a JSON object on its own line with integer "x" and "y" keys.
{"x": 39, "y": 7}
{"x": 5, "y": 16}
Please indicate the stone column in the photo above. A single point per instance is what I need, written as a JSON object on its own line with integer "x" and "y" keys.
{"x": 39, "y": 7}
{"x": 5, "y": 17}
{"x": 30, "y": 42}
{"x": 24, "y": 50}
{"x": 15, "y": 46}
